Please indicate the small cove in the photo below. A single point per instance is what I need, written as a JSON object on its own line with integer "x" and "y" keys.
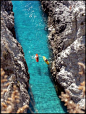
{"x": 30, "y": 23}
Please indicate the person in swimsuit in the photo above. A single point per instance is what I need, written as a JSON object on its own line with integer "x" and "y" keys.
{"x": 46, "y": 60}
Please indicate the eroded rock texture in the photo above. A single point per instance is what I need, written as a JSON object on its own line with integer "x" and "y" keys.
{"x": 66, "y": 25}
{"x": 16, "y": 79}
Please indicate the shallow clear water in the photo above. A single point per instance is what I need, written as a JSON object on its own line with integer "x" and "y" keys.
{"x": 30, "y": 24}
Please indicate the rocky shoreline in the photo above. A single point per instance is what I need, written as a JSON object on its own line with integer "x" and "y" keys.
{"x": 14, "y": 70}
{"x": 66, "y": 26}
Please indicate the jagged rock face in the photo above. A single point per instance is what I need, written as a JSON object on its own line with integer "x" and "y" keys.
{"x": 6, "y": 8}
{"x": 12, "y": 58}
{"x": 66, "y": 25}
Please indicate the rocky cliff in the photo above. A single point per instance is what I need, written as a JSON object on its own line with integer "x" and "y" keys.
{"x": 14, "y": 71}
{"x": 66, "y": 26}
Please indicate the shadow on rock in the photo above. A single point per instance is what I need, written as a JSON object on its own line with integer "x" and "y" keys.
{"x": 32, "y": 102}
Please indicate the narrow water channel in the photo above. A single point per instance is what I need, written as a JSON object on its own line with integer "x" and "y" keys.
{"x": 30, "y": 31}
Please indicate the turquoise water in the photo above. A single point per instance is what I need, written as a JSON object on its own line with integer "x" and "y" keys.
{"x": 30, "y": 24}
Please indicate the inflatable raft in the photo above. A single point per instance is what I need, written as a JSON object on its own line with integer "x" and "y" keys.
{"x": 37, "y": 58}
{"x": 45, "y": 59}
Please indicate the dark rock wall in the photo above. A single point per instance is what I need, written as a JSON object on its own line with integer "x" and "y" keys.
{"x": 66, "y": 26}
{"x": 12, "y": 61}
